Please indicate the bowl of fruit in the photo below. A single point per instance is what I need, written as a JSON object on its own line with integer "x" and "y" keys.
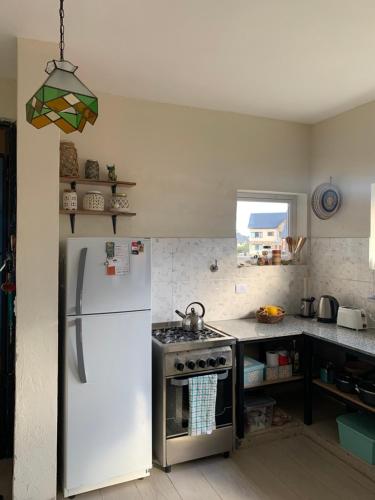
{"x": 270, "y": 314}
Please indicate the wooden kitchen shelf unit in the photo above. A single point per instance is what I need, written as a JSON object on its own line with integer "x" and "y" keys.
{"x": 72, "y": 214}
{"x": 344, "y": 396}
{"x": 265, "y": 383}
{"x": 74, "y": 181}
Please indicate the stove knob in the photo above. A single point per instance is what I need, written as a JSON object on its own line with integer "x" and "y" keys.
{"x": 202, "y": 363}
{"x": 190, "y": 365}
{"x": 179, "y": 366}
{"x": 212, "y": 362}
{"x": 222, "y": 360}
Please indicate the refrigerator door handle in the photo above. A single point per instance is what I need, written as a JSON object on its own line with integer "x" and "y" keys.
{"x": 80, "y": 277}
{"x": 80, "y": 356}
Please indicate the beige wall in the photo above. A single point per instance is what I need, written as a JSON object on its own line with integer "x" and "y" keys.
{"x": 188, "y": 164}
{"x": 37, "y": 269}
{"x": 8, "y": 99}
{"x": 344, "y": 147}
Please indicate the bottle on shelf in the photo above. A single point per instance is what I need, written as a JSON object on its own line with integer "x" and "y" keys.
{"x": 295, "y": 356}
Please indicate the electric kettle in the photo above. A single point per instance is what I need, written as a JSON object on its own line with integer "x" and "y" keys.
{"x": 327, "y": 309}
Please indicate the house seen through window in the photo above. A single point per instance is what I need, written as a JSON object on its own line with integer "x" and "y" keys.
{"x": 262, "y": 222}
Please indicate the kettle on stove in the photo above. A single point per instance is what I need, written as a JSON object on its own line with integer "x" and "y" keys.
{"x": 327, "y": 309}
{"x": 192, "y": 321}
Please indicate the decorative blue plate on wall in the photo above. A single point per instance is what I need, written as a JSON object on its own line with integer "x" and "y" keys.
{"x": 326, "y": 200}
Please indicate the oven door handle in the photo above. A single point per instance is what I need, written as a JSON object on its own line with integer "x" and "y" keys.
{"x": 181, "y": 382}
{"x": 223, "y": 375}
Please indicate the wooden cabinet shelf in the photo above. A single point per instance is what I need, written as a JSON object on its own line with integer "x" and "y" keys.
{"x": 344, "y": 396}
{"x": 265, "y": 383}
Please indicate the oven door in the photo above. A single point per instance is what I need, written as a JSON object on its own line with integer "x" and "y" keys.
{"x": 177, "y": 401}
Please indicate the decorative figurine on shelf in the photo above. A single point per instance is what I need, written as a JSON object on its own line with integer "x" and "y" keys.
{"x": 111, "y": 173}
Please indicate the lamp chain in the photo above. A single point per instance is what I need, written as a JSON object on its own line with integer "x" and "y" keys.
{"x": 62, "y": 29}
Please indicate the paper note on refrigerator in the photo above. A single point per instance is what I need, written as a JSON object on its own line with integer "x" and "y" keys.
{"x": 121, "y": 259}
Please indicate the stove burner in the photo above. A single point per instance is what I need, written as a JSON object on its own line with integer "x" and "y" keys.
{"x": 177, "y": 334}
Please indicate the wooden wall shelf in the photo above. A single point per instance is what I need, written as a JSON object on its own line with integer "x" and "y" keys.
{"x": 72, "y": 214}
{"x": 73, "y": 181}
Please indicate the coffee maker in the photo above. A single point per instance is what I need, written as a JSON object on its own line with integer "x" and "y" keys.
{"x": 307, "y": 307}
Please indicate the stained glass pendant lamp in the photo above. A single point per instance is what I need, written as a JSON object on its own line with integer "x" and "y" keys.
{"x": 63, "y": 99}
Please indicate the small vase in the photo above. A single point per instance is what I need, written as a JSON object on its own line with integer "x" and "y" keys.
{"x": 68, "y": 160}
{"x": 92, "y": 170}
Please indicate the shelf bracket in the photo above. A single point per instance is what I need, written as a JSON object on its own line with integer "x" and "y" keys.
{"x": 72, "y": 218}
{"x": 114, "y": 223}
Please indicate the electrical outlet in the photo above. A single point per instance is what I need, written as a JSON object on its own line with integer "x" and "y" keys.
{"x": 241, "y": 288}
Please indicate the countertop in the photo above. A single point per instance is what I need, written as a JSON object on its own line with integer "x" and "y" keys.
{"x": 249, "y": 330}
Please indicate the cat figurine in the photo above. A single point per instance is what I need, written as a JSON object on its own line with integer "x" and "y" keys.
{"x": 112, "y": 176}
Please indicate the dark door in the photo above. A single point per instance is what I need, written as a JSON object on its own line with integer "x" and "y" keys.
{"x": 8, "y": 200}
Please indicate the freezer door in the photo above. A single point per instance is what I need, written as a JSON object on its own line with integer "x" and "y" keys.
{"x": 107, "y": 413}
{"x": 99, "y": 292}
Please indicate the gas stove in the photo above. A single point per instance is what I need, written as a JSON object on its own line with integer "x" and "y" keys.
{"x": 175, "y": 338}
{"x": 177, "y": 357}
{"x": 177, "y": 334}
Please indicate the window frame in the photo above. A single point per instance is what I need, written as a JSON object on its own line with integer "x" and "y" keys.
{"x": 270, "y": 197}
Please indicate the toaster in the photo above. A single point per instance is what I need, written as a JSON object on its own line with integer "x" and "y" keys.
{"x": 352, "y": 317}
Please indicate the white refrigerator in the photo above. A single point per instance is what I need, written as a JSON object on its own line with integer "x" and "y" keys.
{"x": 107, "y": 362}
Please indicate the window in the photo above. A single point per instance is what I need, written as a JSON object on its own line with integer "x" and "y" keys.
{"x": 263, "y": 219}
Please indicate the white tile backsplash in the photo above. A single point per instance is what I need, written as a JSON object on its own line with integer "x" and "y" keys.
{"x": 181, "y": 274}
{"x": 340, "y": 267}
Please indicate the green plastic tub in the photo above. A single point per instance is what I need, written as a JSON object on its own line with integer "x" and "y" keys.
{"x": 357, "y": 435}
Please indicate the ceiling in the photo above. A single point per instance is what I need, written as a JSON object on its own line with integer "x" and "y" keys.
{"x": 300, "y": 60}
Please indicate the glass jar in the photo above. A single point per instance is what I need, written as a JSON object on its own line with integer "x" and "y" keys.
{"x": 276, "y": 257}
{"x": 267, "y": 255}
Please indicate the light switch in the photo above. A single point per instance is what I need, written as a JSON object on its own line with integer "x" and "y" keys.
{"x": 241, "y": 288}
